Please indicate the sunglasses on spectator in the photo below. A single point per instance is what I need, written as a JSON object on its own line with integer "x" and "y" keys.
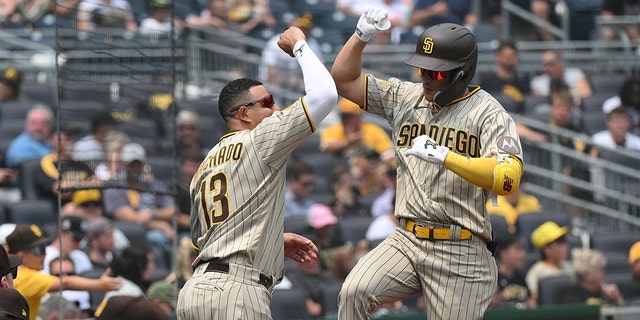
{"x": 267, "y": 102}
{"x": 71, "y": 273}
{"x": 432, "y": 74}
{"x": 74, "y": 237}
{"x": 38, "y": 251}
{"x": 14, "y": 273}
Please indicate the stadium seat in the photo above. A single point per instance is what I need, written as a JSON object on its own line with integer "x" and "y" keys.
{"x": 9, "y": 130}
{"x": 297, "y": 224}
{"x": 550, "y": 289}
{"x": 16, "y": 111}
{"x": 289, "y": 304}
{"x": 607, "y": 84}
{"x": 500, "y": 227}
{"x": 27, "y": 179}
{"x": 616, "y": 262}
{"x": 354, "y": 228}
{"x": 330, "y": 293}
{"x": 135, "y": 233}
{"x": 95, "y": 297}
{"x": 34, "y": 211}
{"x": 610, "y": 242}
{"x": 594, "y": 122}
{"x": 527, "y": 222}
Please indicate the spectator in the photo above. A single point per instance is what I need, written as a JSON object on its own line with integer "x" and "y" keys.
{"x": 427, "y": 13}
{"x": 514, "y": 204}
{"x": 367, "y": 171}
{"x": 385, "y": 202}
{"x": 80, "y": 301}
{"x": 352, "y": 133}
{"x": 617, "y": 134}
{"x": 554, "y": 69}
{"x": 399, "y": 16}
{"x": 10, "y": 191}
{"x": 101, "y": 247}
{"x": 111, "y": 168}
{"x": 71, "y": 174}
{"x": 184, "y": 258}
{"x": 94, "y": 15}
{"x": 310, "y": 277}
{"x": 134, "y": 266}
{"x": 153, "y": 210}
{"x": 10, "y": 81}
{"x": 120, "y": 308}
{"x": 13, "y": 305}
{"x": 543, "y": 11}
{"x": 215, "y": 14}
{"x": 355, "y": 8}
{"x": 512, "y": 286}
{"x": 33, "y": 142}
{"x": 158, "y": 24}
{"x": 54, "y": 306}
{"x": 347, "y": 200}
{"x": 89, "y": 147}
{"x": 8, "y": 268}
{"x": 504, "y": 80}
{"x": 589, "y": 286}
{"x": 550, "y": 239}
{"x": 631, "y": 289}
{"x": 67, "y": 244}
{"x": 382, "y": 226}
{"x": 628, "y": 97}
{"x": 248, "y": 16}
{"x": 161, "y": 293}
{"x": 300, "y": 182}
{"x": 189, "y": 164}
{"x": 613, "y": 8}
{"x": 28, "y": 242}
{"x": 188, "y": 133}
{"x": 88, "y": 204}
{"x": 277, "y": 68}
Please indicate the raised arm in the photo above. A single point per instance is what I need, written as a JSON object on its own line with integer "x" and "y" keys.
{"x": 321, "y": 95}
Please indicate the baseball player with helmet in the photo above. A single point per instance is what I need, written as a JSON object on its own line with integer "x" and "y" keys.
{"x": 237, "y": 194}
{"x": 455, "y": 145}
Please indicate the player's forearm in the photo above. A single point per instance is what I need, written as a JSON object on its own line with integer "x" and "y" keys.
{"x": 320, "y": 89}
{"x": 501, "y": 178}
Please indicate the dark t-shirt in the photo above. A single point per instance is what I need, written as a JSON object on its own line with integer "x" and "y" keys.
{"x": 514, "y": 289}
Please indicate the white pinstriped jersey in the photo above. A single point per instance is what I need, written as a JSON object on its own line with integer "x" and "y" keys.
{"x": 237, "y": 209}
{"x": 471, "y": 126}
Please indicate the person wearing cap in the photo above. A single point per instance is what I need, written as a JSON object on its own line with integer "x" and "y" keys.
{"x": 161, "y": 293}
{"x": 29, "y": 243}
{"x": 89, "y": 147}
{"x": 550, "y": 239}
{"x": 33, "y": 142}
{"x": 631, "y": 289}
{"x": 589, "y": 286}
{"x": 67, "y": 243}
{"x": 353, "y": 133}
{"x": 59, "y": 163}
{"x": 8, "y": 268}
{"x": 188, "y": 133}
{"x": 10, "y": 81}
{"x": 154, "y": 211}
{"x": 13, "y": 305}
{"x": 94, "y": 15}
{"x": 277, "y": 68}
{"x": 158, "y": 23}
{"x": 454, "y": 145}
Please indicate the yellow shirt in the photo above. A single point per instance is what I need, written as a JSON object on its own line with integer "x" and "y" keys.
{"x": 373, "y": 136}
{"x": 526, "y": 203}
{"x": 33, "y": 285}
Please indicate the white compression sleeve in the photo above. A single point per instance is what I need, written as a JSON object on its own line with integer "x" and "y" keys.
{"x": 321, "y": 93}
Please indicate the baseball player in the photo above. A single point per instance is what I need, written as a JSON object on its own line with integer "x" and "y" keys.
{"x": 455, "y": 145}
{"x": 237, "y": 208}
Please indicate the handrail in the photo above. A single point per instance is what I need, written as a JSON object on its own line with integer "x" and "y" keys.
{"x": 508, "y": 8}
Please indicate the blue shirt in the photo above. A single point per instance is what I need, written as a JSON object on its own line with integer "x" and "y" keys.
{"x": 24, "y": 147}
{"x": 293, "y": 208}
{"x": 458, "y": 10}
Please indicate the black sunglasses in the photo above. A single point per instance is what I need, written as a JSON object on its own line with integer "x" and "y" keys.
{"x": 14, "y": 273}
{"x": 267, "y": 102}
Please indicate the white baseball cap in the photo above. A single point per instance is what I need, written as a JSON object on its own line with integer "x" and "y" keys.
{"x": 132, "y": 152}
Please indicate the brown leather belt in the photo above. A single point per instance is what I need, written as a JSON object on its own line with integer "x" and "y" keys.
{"x": 423, "y": 231}
{"x": 223, "y": 267}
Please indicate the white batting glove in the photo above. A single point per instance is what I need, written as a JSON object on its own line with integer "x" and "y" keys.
{"x": 428, "y": 150}
{"x": 366, "y": 27}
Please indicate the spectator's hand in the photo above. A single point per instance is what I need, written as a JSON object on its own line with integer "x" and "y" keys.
{"x": 109, "y": 283}
{"x": 611, "y": 291}
{"x": 366, "y": 27}
{"x": 428, "y": 150}
{"x": 289, "y": 38}
{"x": 299, "y": 248}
